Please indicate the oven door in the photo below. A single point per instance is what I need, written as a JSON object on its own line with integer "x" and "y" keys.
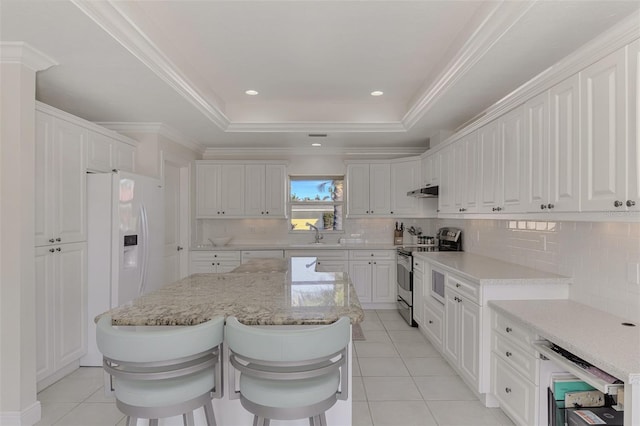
{"x": 404, "y": 272}
{"x": 405, "y": 310}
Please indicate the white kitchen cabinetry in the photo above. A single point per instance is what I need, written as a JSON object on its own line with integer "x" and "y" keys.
{"x": 513, "y": 143}
{"x": 490, "y": 154}
{"x": 60, "y": 181}
{"x": 265, "y": 190}
{"x": 106, "y": 153}
{"x": 405, "y": 177}
{"x": 418, "y": 290}
{"x": 369, "y": 189}
{"x": 326, "y": 260}
{"x": 603, "y": 97}
{"x": 248, "y": 255}
{"x": 430, "y": 169}
{"x": 515, "y": 370}
{"x": 219, "y": 190}
{"x": 373, "y": 274}
{"x": 203, "y": 262}
{"x": 61, "y": 310}
{"x": 633, "y": 173}
{"x": 463, "y": 324}
{"x": 462, "y": 177}
{"x": 446, "y": 187}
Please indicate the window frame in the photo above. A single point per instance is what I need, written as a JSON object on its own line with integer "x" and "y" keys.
{"x": 328, "y": 203}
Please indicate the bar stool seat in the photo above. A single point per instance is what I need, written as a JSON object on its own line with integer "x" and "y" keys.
{"x": 163, "y": 373}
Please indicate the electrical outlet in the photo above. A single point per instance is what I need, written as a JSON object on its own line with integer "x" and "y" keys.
{"x": 252, "y": 230}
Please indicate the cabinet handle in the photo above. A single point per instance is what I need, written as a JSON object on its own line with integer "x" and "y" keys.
{"x": 369, "y": 263}
{"x": 430, "y": 322}
{"x": 391, "y": 212}
{"x": 261, "y": 212}
{"x": 631, "y": 203}
{"x": 214, "y": 263}
{"x": 543, "y": 206}
{"x": 371, "y": 211}
{"x": 51, "y": 240}
{"x": 180, "y": 248}
{"x": 58, "y": 249}
{"x": 367, "y": 211}
{"x": 267, "y": 212}
{"x": 550, "y": 206}
{"x": 617, "y": 203}
{"x": 508, "y": 330}
{"x": 457, "y": 284}
{"x": 375, "y": 263}
{"x": 508, "y": 354}
{"x": 507, "y": 390}
{"x": 51, "y": 250}
{"x": 218, "y": 212}
{"x": 59, "y": 239}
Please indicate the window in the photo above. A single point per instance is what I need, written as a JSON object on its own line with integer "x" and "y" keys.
{"x": 316, "y": 201}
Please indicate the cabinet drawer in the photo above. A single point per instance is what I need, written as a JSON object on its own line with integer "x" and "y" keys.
{"x": 210, "y": 256}
{"x": 517, "y": 396}
{"x": 470, "y": 291}
{"x": 418, "y": 265}
{"x": 433, "y": 323}
{"x": 524, "y": 362}
{"x": 371, "y": 254}
{"x": 513, "y": 330}
{"x": 320, "y": 254}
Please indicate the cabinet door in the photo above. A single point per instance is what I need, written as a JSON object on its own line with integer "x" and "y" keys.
{"x": 99, "y": 152}
{"x": 327, "y": 265}
{"x": 405, "y": 177}
{"x": 383, "y": 281}
{"x": 360, "y": 274}
{"x": 44, "y": 189}
{"x": 513, "y": 161}
{"x": 633, "y": 192}
{"x": 208, "y": 184}
{"x": 70, "y": 180}
{"x": 71, "y": 303}
{"x": 471, "y": 173}
{"x": 603, "y": 110}
{"x": 536, "y": 124}
{"x": 447, "y": 181}
{"x": 254, "y": 192}
{"x": 358, "y": 189}
{"x": 275, "y": 190}
{"x": 45, "y": 304}
{"x": 564, "y": 146}
{"x": 451, "y": 343}
{"x": 380, "y": 189}
{"x": 470, "y": 340}
{"x": 202, "y": 267}
{"x": 226, "y": 266}
{"x": 124, "y": 157}
{"x": 418, "y": 296}
{"x": 232, "y": 190}
{"x": 490, "y": 168}
{"x": 458, "y": 177}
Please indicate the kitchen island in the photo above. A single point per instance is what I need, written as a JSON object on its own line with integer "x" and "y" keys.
{"x": 262, "y": 295}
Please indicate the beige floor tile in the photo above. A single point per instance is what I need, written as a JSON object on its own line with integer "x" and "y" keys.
{"x": 383, "y": 367}
{"x": 54, "y": 411}
{"x": 417, "y": 349}
{"x": 71, "y": 389}
{"x": 444, "y": 388}
{"x": 391, "y": 389}
{"x": 409, "y": 335}
{"x": 389, "y": 314}
{"x": 99, "y": 396}
{"x": 377, "y": 336}
{"x": 358, "y": 389}
{"x": 431, "y": 366}
{"x": 360, "y": 414}
{"x": 501, "y": 417}
{"x": 92, "y": 414}
{"x": 393, "y": 324}
{"x": 405, "y": 413}
{"x": 372, "y": 325}
{"x": 462, "y": 413}
{"x": 373, "y": 349}
{"x": 355, "y": 367}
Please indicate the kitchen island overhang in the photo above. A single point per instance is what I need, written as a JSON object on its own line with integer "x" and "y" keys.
{"x": 299, "y": 297}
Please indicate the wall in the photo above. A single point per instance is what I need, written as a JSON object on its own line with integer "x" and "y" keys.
{"x": 603, "y": 258}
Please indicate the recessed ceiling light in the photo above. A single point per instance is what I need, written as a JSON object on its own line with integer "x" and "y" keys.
{"x": 251, "y": 92}
{"x": 377, "y": 93}
{"x": 316, "y": 144}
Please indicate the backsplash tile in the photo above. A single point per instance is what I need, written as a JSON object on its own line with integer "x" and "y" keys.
{"x": 596, "y": 254}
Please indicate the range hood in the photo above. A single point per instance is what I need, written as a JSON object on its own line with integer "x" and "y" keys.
{"x": 430, "y": 191}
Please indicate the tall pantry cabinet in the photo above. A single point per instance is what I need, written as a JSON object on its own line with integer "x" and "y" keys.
{"x": 61, "y": 246}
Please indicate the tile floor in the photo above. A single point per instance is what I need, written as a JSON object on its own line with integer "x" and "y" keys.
{"x": 399, "y": 379}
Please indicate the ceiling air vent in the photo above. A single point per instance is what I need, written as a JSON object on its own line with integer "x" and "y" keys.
{"x": 317, "y": 135}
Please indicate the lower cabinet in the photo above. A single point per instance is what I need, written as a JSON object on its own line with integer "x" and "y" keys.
{"x": 515, "y": 371}
{"x": 61, "y": 309}
{"x": 205, "y": 262}
{"x": 433, "y": 322}
{"x": 373, "y": 274}
{"x": 326, "y": 260}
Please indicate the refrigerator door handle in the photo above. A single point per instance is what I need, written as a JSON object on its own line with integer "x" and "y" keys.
{"x": 144, "y": 222}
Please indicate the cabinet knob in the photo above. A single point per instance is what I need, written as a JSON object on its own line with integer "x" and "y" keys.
{"x": 51, "y": 250}
{"x": 218, "y": 212}
{"x": 430, "y": 322}
{"x": 367, "y": 211}
{"x": 371, "y": 211}
{"x": 457, "y": 284}
{"x": 391, "y": 212}
{"x": 631, "y": 203}
{"x": 507, "y": 390}
{"x": 59, "y": 239}
{"x": 508, "y": 330}
{"x": 267, "y": 213}
{"x": 261, "y": 212}
{"x": 543, "y": 206}
{"x": 617, "y": 203}
{"x": 51, "y": 240}
{"x": 214, "y": 263}
{"x": 375, "y": 263}
{"x": 179, "y": 248}
{"x": 58, "y": 249}
{"x": 508, "y": 354}
{"x": 369, "y": 263}
{"x": 550, "y": 206}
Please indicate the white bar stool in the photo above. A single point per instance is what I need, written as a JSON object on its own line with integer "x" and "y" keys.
{"x": 288, "y": 374}
{"x": 163, "y": 373}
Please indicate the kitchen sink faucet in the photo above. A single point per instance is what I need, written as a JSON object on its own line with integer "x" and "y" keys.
{"x": 318, "y": 235}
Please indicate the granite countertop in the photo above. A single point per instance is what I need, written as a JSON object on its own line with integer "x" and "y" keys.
{"x": 593, "y": 335}
{"x": 301, "y": 246}
{"x": 299, "y": 296}
{"x": 486, "y": 270}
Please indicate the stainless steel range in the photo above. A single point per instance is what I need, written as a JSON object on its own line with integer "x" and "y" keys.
{"x": 448, "y": 239}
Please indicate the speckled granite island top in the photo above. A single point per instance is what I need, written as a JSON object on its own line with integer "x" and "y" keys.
{"x": 299, "y": 296}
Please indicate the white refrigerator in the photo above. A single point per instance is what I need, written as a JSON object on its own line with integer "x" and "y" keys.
{"x": 125, "y": 239}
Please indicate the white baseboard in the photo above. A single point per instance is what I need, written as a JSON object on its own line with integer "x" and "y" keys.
{"x": 27, "y": 417}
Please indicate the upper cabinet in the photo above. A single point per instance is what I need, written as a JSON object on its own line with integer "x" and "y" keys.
{"x": 240, "y": 190}
{"x": 603, "y": 97}
{"x": 513, "y": 144}
{"x": 490, "y": 176}
{"x": 405, "y": 177}
{"x": 369, "y": 189}
{"x": 106, "y": 152}
{"x": 60, "y": 181}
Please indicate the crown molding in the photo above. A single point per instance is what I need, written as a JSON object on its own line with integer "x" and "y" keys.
{"x": 154, "y": 128}
{"x": 111, "y": 17}
{"x": 18, "y": 52}
{"x": 497, "y": 22}
{"x": 284, "y": 153}
{"x": 319, "y": 127}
